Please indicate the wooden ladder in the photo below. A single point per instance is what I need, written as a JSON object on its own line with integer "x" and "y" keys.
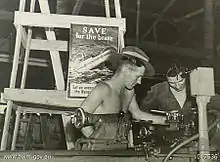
{"x": 57, "y": 97}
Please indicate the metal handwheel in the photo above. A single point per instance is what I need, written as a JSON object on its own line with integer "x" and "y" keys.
{"x": 79, "y": 118}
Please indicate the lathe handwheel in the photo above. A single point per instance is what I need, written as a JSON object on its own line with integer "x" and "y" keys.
{"x": 79, "y": 118}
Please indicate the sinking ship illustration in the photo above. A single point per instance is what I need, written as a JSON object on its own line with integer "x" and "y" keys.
{"x": 95, "y": 61}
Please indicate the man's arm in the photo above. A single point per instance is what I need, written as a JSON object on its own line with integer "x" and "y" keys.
{"x": 92, "y": 102}
{"x": 151, "y": 100}
{"x": 140, "y": 115}
{"x": 95, "y": 98}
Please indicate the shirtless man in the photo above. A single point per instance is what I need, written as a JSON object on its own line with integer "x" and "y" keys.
{"x": 117, "y": 94}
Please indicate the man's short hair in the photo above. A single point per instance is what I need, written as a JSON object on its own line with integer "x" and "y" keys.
{"x": 174, "y": 70}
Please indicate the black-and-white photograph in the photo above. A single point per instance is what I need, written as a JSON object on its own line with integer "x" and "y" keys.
{"x": 110, "y": 80}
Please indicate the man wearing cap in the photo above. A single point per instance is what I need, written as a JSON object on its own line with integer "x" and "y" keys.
{"x": 117, "y": 94}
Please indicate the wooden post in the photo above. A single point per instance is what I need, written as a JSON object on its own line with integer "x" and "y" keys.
{"x": 55, "y": 57}
{"x": 58, "y": 72}
{"x": 24, "y": 76}
{"x": 107, "y": 8}
{"x": 16, "y": 128}
{"x": 77, "y": 7}
{"x": 26, "y": 59}
{"x": 26, "y": 144}
{"x": 137, "y": 21}
{"x": 117, "y": 8}
{"x": 13, "y": 79}
{"x": 118, "y": 15}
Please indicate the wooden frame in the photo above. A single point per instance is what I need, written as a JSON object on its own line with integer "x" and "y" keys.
{"x": 62, "y": 21}
{"x": 59, "y": 21}
{"x": 49, "y": 22}
{"x": 41, "y": 97}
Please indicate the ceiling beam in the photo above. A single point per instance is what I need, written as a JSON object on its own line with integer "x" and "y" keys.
{"x": 185, "y": 35}
{"x": 77, "y": 7}
{"x": 176, "y": 51}
{"x": 125, "y": 10}
{"x": 152, "y": 47}
{"x": 161, "y": 15}
{"x": 189, "y": 15}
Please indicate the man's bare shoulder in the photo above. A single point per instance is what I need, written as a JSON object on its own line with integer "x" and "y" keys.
{"x": 103, "y": 88}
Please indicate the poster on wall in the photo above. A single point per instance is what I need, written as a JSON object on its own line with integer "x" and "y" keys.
{"x": 89, "y": 57}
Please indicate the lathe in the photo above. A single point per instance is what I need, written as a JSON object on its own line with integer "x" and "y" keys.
{"x": 178, "y": 137}
{"x": 152, "y": 139}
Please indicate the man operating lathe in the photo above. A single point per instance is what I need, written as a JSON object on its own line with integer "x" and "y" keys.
{"x": 117, "y": 96}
